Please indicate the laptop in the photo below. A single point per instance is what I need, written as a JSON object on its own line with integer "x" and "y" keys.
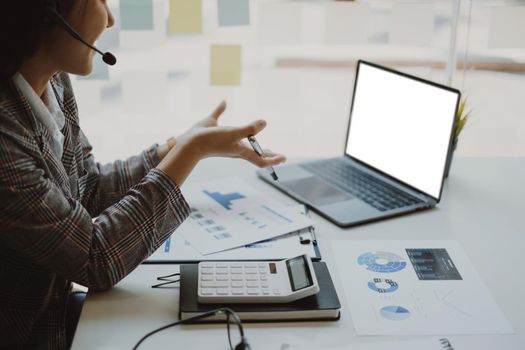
{"x": 398, "y": 141}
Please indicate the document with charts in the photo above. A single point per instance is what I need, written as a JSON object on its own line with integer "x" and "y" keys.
{"x": 229, "y": 213}
{"x": 176, "y": 249}
{"x": 415, "y": 288}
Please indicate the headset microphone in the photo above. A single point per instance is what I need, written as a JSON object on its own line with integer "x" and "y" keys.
{"x": 107, "y": 57}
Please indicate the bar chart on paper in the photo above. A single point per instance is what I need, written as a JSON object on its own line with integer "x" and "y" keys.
{"x": 229, "y": 213}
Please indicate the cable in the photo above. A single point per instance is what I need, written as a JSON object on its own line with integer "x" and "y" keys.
{"x": 228, "y": 312}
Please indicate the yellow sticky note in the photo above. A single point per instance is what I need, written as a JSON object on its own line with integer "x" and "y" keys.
{"x": 225, "y": 65}
{"x": 185, "y": 16}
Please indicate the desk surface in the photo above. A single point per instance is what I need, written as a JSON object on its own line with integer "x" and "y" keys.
{"x": 482, "y": 208}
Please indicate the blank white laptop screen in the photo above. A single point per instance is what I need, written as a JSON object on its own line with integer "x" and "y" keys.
{"x": 401, "y": 127}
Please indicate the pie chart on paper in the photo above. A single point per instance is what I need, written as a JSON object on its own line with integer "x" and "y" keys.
{"x": 383, "y": 262}
{"x": 394, "y": 313}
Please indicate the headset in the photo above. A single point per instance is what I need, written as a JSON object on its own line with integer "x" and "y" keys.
{"x": 52, "y": 12}
{"x": 243, "y": 345}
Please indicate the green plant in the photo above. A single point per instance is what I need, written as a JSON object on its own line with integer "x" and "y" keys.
{"x": 461, "y": 119}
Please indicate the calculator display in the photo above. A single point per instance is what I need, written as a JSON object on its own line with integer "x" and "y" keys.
{"x": 299, "y": 273}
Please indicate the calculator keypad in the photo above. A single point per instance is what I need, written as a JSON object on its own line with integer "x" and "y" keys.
{"x": 235, "y": 279}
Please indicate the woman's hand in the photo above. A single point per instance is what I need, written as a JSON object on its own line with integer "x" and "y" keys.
{"x": 209, "y": 121}
{"x": 207, "y": 139}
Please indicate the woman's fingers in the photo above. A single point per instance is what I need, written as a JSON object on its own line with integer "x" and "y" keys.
{"x": 251, "y": 129}
{"x": 270, "y": 153}
{"x": 219, "y": 110}
{"x": 268, "y": 159}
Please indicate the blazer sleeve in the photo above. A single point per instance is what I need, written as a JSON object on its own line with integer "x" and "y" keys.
{"x": 57, "y": 233}
{"x": 106, "y": 184}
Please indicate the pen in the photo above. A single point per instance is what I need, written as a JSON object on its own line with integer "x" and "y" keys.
{"x": 257, "y": 148}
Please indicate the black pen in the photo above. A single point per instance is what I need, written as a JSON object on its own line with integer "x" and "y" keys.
{"x": 257, "y": 148}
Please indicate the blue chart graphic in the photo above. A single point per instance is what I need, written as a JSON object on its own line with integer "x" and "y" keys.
{"x": 382, "y": 262}
{"x": 224, "y": 199}
{"x": 394, "y": 313}
{"x": 381, "y": 285}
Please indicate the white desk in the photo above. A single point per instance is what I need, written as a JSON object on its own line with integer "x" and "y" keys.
{"x": 482, "y": 208}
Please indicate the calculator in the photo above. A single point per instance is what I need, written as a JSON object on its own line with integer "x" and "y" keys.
{"x": 256, "y": 281}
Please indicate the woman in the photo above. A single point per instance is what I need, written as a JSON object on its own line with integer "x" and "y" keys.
{"x": 63, "y": 217}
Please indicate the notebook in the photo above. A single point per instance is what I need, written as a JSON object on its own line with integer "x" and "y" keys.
{"x": 323, "y": 306}
{"x": 398, "y": 141}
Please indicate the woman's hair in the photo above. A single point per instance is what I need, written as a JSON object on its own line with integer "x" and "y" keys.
{"x": 23, "y": 25}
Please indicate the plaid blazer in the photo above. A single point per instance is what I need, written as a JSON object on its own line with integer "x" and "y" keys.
{"x": 69, "y": 220}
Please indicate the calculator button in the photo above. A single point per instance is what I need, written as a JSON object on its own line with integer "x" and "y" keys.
{"x": 238, "y": 291}
{"x": 264, "y": 284}
{"x": 207, "y": 278}
{"x": 262, "y": 271}
{"x": 206, "y": 265}
{"x": 250, "y": 271}
{"x": 221, "y": 278}
{"x": 206, "y": 291}
{"x": 221, "y": 265}
{"x": 248, "y": 266}
{"x": 266, "y": 291}
{"x": 250, "y": 284}
{"x": 221, "y": 271}
{"x": 236, "y": 269}
{"x": 261, "y": 265}
{"x": 252, "y": 278}
{"x": 208, "y": 284}
{"x": 206, "y": 271}
{"x": 237, "y": 284}
{"x": 252, "y": 291}
{"x": 273, "y": 268}
{"x": 237, "y": 278}
{"x": 276, "y": 292}
{"x": 222, "y": 291}
{"x": 264, "y": 278}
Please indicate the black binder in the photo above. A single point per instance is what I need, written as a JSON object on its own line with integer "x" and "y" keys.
{"x": 323, "y": 306}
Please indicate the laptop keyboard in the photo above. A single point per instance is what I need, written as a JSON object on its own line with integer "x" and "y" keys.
{"x": 378, "y": 194}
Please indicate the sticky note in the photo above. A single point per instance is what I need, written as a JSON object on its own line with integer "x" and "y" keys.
{"x": 99, "y": 72}
{"x": 233, "y": 12}
{"x": 139, "y": 39}
{"x": 507, "y": 27}
{"x": 346, "y": 23}
{"x": 412, "y": 24}
{"x": 136, "y": 14}
{"x": 225, "y": 64}
{"x": 185, "y": 16}
{"x": 279, "y": 23}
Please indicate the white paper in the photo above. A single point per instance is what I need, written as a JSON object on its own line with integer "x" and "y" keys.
{"x": 507, "y": 29}
{"x": 346, "y": 23}
{"x": 228, "y": 213}
{"x": 279, "y": 24}
{"x": 412, "y": 24}
{"x": 416, "y": 344}
{"x": 176, "y": 248}
{"x": 447, "y": 297}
